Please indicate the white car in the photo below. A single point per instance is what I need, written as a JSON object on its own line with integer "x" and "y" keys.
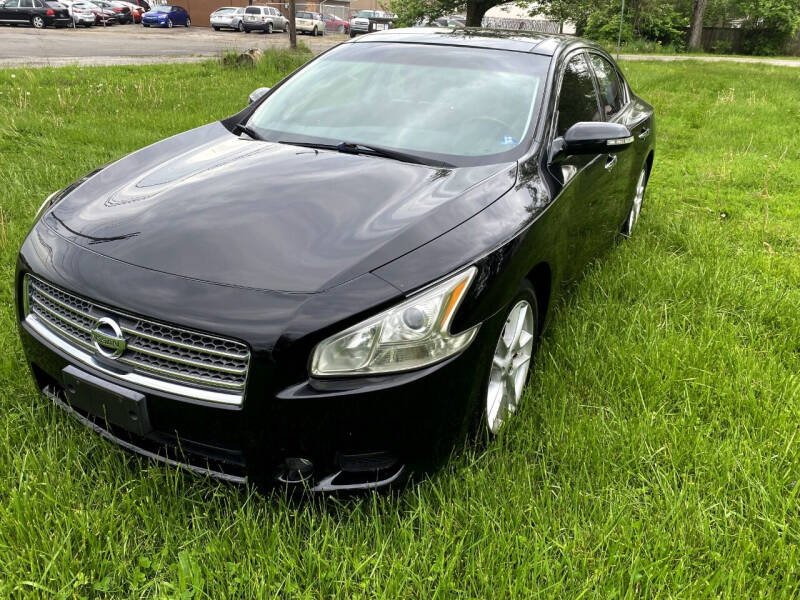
{"x": 309, "y": 22}
{"x": 367, "y": 21}
{"x": 228, "y": 17}
{"x": 83, "y": 12}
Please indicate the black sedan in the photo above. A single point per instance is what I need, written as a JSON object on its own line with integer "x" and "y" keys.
{"x": 313, "y": 293}
{"x": 38, "y": 13}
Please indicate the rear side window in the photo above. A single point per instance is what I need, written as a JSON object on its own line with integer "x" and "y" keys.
{"x": 577, "y": 101}
{"x": 253, "y": 10}
{"x": 611, "y": 95}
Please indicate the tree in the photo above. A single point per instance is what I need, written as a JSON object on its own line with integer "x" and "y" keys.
{"x": 696, "y": 32}
{"x": 410, "y": 11}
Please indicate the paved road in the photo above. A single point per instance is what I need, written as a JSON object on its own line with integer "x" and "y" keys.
{"x": 133, "y": 44}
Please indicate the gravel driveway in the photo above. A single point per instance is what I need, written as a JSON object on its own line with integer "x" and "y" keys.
{"x": 133, "y": 44}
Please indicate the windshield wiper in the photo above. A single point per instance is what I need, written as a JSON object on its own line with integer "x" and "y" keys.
{"x": 351, "y": 148}
{"x": 245, "y": 128}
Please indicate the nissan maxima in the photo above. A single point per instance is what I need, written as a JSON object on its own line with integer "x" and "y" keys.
{"x": 335, "y": 283}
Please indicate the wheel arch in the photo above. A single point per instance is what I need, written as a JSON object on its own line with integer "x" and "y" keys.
{"x": 541, "y": 278}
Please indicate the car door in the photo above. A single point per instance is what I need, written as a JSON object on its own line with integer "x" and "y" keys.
{"x": 7, "y": 10}
{"x": 586, "y": 181}
{"x": 625, "y": 166}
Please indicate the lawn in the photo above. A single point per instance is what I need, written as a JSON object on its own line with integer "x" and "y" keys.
{"x": 656, "y": 454}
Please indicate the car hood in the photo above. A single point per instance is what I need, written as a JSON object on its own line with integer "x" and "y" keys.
{"x": 212, "y": 206}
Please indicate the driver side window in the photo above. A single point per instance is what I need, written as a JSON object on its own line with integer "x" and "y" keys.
{"x": 577, "y": 100}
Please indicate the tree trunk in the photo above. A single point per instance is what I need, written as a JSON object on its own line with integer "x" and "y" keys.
{"x": 696, "y": 32}
{"x": 476, "y": 10}
{"x": 292, "y": 30}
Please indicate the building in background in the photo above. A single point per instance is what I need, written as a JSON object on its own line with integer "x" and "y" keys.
{"x": 511, "y": 16}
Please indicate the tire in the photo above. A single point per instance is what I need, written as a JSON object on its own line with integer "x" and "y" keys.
{"x": 636, "y": 206}
{"x": 145, "y": 25}
{"x": 314, "y": 31}
{"x": 246, "y": 30}
{"x": 216, "y": 28}
{"x": 170, "y": 24}
{"x": 269, "y": 28}
{"x": 507, "y": 369}
{"x": 352, "y": 35}
{"x": 340, "y": 29}
{"x": 37, "y": 22}
{"x": 240, "y": 26}
{"x": 188, "y": 23}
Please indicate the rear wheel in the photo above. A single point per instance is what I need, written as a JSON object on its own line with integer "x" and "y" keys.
{"x": 246, "y": 30}
{"x": 269, "y": 27}
{"x": 37, "y": 22}
{"x": 188, "y": 22}
{"x": 240, "y": 26}
{"x": 216, "y": 28}
{"x": 314, "y": 31}
{"x": 511, "y": 359}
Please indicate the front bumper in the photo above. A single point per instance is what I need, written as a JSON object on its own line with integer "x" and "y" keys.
{"x": 286, "y": 416}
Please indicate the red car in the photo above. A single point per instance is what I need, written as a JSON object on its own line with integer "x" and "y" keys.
{"x": 334, "y": 23}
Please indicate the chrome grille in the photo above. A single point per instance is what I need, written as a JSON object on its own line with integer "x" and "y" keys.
{"x": 154, "y": 351}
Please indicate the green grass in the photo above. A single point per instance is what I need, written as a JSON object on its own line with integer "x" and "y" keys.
{"x": 656, "y": 454}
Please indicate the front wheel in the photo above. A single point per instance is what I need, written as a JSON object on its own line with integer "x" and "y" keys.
{"x": 246, "y": 30}
{"x": 636, "y": 207}
{"x": 37, "y": 22}
{"x": 269, "y": 27}
{"x": 216, "y": 28}
{"x": 240, "y": 26}
{"x": 169, "y": 23}
{"x": 510, "y": 362}
{"x": 340, "y": 29}
{"x": 314, "y": 31}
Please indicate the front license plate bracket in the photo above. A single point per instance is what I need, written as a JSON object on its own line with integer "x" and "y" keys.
{"x": 112, "y": 403}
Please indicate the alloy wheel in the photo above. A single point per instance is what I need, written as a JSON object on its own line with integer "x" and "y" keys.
{"x": 37, "y": 22}
{"x": 188, "y": 22}
{"x": 638, "y": 198}
{"x": 340, "y": 29}
{"x": 269, "y": 28}
{"x": 510, "y": 366}
{"x": 169, "y": 23}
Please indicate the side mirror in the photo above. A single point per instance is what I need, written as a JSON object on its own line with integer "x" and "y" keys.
{"x": 257, "y": 93}
{"x": 592, "y": 137}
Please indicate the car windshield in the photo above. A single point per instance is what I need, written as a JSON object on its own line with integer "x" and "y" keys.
{"x": 453, "y": 104}
{"x": 366, "y": 14}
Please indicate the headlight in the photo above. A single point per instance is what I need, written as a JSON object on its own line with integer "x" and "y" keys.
{"x": 413, "y": 334}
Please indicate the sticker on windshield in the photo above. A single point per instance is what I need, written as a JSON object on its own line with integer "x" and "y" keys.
{"x": 508, "y": 141}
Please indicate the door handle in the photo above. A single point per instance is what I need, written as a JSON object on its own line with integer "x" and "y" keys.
{"x": 611, "y": 161}
{"x": 644, "y": 133}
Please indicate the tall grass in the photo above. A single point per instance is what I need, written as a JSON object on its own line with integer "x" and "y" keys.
{"x": 655, "y": 455}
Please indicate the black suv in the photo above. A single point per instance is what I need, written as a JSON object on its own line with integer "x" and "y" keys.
{"x": 39, "y": 13}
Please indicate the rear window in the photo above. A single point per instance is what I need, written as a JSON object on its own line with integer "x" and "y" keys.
{"x": 253, "y": 10}
{"x": 223, "y": 11}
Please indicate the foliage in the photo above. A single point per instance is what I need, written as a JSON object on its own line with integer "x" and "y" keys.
{"x": 770, "y": 23}
{"x": 653, "y": 20}
{"x": 655, "y": 454}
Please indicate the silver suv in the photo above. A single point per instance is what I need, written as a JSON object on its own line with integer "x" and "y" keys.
{"x": 264, "y": 18}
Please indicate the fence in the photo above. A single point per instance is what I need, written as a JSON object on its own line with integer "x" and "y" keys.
{"x": 732, "y": 40}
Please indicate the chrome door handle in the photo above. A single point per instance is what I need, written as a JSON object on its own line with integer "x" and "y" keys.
{"x": 644, "y": 133}
{"x": 611, "y": 162}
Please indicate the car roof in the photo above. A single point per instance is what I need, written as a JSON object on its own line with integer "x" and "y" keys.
{"x": 547, "y": 44}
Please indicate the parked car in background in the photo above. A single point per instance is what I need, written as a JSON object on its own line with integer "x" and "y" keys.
{"x": 227, "y": 17}
{"x": 104, "y": 16}
{"x": 37, "y": 13}
{"x": 264, "y": 18}
{"x": 166, "y": 15}
{"x": 451, "y": 21}
{"x": 136, "y": 10}
{"x": 122, "y": 12}
{"x": 309, "y": 22}
{"x": 367, "y": 21}
{"x": 334, "y": 23}
{"x": 143, "y": 4}
{"x": 82, "y": 12}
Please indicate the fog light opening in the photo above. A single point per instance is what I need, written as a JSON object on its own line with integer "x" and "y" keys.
{"x": 295, "y": 470}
